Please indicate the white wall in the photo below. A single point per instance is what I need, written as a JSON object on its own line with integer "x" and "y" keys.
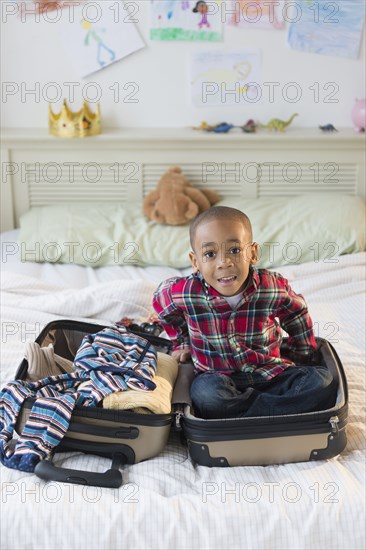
{"x": 33, "y": 53}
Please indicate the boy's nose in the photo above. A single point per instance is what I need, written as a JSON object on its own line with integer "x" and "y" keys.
{"x": 225, "y": 260}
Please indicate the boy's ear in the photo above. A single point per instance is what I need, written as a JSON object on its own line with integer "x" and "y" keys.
{"x": 193, "y": 258}
{"x": 254, "y": 254}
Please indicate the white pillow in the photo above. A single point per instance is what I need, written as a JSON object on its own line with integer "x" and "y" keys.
{"x": 288, "y": 230}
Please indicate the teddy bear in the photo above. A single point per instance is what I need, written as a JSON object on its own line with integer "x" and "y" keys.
{"x": 175, "y": 201}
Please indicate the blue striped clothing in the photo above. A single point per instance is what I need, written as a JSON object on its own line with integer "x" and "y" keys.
{"x": 108, "y": 361}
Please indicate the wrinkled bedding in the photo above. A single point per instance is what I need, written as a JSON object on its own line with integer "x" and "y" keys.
{"x": 168, "y": 501}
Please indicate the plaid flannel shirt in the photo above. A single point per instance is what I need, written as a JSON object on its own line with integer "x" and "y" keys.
{"x": 245, "y": 338}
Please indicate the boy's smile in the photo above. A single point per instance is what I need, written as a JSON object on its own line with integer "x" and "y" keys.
{"x": 223, "y": 253}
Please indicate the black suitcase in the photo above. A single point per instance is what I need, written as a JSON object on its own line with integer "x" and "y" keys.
{"x": 272, "y": 439}
{"x": 124, "y": 436}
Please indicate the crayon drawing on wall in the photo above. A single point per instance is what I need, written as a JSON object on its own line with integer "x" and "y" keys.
{"x": 328, "y": 28}
{"x": 257, "y": 14}
{"x": 230, "y": 78}
{"x": 186, "y": 20}
{"x": 94, "y": 46}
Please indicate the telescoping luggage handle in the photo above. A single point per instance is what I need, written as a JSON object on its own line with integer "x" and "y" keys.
{"x": 111, "y": 478}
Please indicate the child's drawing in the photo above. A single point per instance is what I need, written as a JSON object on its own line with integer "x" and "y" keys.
{"x": 101, "y": 47}
{"x": 186, "y": 20}
{"x": 330, "y": 28}
{"x": 224, "y": 78}
{"x": 236, "y": 73}
{"x": 257, "y": 14}
{"x": 94, "y": 46}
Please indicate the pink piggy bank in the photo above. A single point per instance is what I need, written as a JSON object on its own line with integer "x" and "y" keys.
{"x": 359, "y": 115}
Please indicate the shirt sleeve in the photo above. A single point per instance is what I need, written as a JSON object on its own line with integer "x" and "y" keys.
{"x": 170, "y": 315}
{"x": 296, "y": 321}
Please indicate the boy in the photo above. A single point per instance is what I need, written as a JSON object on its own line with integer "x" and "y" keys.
{"x": 227, "y": 315}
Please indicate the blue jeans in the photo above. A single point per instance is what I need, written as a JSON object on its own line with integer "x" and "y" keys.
{"x": 295, "y": 390}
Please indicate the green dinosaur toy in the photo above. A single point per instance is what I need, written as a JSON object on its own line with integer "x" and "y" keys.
{"x": 278, "y": 124}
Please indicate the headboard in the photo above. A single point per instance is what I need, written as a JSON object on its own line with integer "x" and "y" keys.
{"x": 124, "y": 165}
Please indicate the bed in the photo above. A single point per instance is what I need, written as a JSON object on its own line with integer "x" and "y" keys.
{"x": 169, "y": 502}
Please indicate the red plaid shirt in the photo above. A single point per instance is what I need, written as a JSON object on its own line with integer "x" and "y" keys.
{"x": 245, "y": 338}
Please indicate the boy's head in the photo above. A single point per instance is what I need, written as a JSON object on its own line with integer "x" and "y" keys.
{"x": 222, "y": 248}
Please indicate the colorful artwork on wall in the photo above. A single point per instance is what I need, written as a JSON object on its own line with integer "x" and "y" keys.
{"x": 257, "y": 14}
{"x": 94, "y": 46}
{"x": 225, "y": 78}
{"x": 29, "y": 7}
{"x": 328, "y": 28}
{"x": 186, "y": 20}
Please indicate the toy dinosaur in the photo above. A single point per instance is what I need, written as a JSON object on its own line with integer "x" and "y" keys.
{"x": 204, "y": 126}
{"x": 222, "y": 127}
{"x": 249, "y": 127}
{"x": 328, "y": 128}
{"x": 278, "y": 124}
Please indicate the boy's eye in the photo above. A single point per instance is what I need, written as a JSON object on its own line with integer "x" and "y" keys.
{"x": 209, "y": 254}
{"x": 235, "y": 250}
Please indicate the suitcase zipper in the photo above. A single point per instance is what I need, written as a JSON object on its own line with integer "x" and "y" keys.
{"x": 218, "y": 432}
{"x": 177, "y": 420}
{"x": 333, "y": 421}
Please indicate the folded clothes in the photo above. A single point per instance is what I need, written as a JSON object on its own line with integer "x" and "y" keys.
{"x": 43, "y": 362}
{"x": 157, "y": 401}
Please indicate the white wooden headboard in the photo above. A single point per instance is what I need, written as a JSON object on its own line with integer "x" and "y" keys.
{"x": 124, "y": 165}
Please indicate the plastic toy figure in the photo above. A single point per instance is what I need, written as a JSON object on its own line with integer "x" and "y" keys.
{"x": 204, "y": 126}
{"x": 222, "y": 127}
{"x": 249, "y": 127}
{"x": 278, "y": 124}
{"x": 328, "y": 128}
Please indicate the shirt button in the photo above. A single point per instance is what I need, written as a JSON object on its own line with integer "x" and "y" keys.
{"x": 237, "y": 347}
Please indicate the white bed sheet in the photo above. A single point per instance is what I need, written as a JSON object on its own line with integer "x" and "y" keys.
{"x": 168, "y": 502}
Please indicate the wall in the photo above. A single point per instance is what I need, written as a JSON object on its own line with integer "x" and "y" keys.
{"x": 32, "y": 52}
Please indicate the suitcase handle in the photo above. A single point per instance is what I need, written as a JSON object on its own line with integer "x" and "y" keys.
{"x": 111, "y": 478}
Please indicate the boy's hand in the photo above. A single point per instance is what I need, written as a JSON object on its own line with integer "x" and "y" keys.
{"x": 182, "y": 355}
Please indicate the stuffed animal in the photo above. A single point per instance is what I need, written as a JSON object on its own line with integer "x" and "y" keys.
{"x": 175, "y": 201}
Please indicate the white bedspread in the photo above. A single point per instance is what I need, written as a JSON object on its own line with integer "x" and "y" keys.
{"x": 168, "y": 502}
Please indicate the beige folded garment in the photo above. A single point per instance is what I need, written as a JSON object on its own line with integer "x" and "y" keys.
{"x": 43, "y": 362}
{"x": 158, "y": 401}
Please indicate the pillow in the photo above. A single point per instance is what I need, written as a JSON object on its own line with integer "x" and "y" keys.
{"x": 306, "y": 228}
{"x": 101, "y": 235}
{"x": 289, "y": 231}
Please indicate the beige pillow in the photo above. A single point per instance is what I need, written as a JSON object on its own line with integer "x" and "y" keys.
{"x": 289, "y": 230}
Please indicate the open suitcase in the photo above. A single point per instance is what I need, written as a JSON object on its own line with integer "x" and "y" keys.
{"x": 128, "y": 437}
{"x": 266, "y": 440}
{"x": 124, "y": 436}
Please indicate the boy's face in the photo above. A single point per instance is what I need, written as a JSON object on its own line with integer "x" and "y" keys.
{"x": 223, "y": 253}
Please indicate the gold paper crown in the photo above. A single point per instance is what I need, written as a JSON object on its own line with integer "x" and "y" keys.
{"x": 68, "y": 124}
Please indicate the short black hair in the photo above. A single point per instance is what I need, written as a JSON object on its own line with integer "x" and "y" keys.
{"x": 219, "y": 213}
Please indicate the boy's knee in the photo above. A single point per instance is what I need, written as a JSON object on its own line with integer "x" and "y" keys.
{"x": 325, "y": 377}
{"x": 203, "y": 384}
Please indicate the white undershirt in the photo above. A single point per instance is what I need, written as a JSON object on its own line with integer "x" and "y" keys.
{"x": 234, "y": 300}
